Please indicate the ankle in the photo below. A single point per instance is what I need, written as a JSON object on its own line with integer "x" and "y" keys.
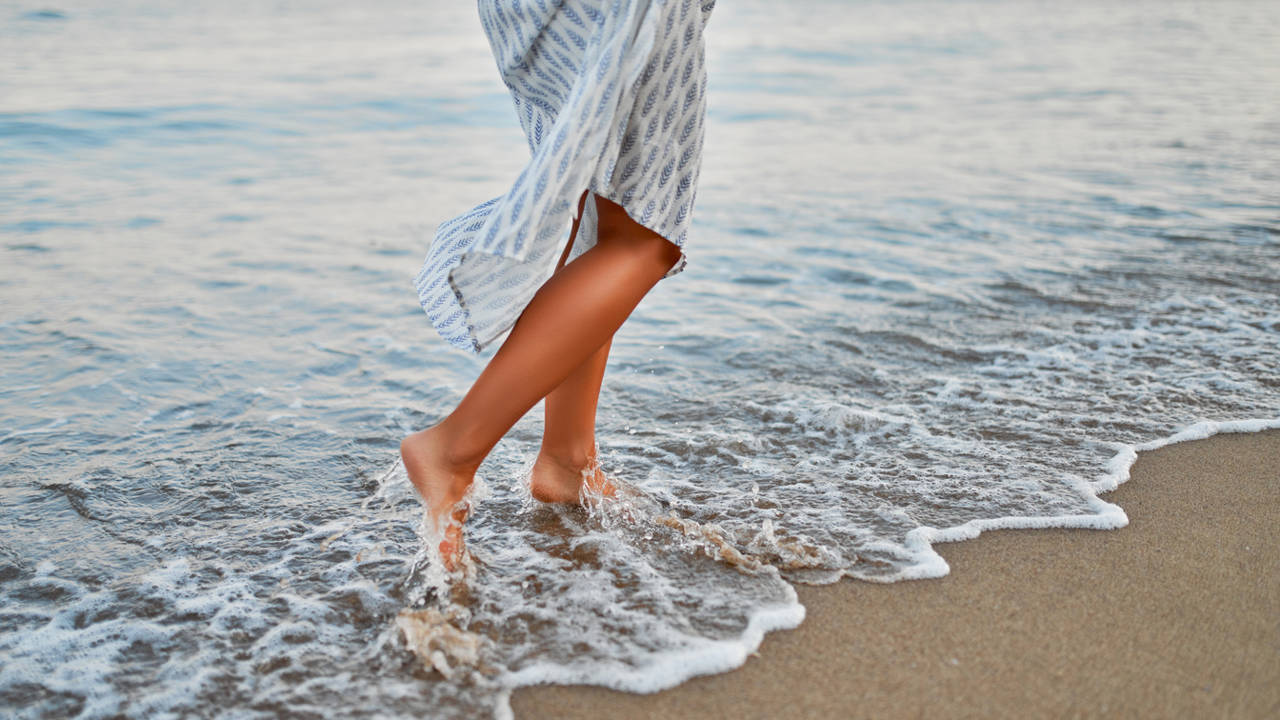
{"x": 437, "y": 444}
{"x": 569, "y": 458}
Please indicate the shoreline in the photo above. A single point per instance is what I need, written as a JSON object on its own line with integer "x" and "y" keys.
{"x": 1177, "y": 614}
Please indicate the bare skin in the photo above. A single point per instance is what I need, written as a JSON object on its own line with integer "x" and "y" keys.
{"x": 567, "y": 457}
{"x": 556, "y": 350}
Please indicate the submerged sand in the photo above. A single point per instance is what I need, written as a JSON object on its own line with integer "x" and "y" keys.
{"x": 1176, "y": 615}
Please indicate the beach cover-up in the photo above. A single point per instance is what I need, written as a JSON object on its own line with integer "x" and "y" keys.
{"x": 611, "y": 97}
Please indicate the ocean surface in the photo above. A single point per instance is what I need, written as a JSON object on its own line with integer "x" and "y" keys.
{"x": 952, "y": 263}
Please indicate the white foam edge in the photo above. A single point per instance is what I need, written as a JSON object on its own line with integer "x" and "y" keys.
{"x": 927, "y": 563}
{"x": 1118, "y": 467}
{"x": 669, "y": 669}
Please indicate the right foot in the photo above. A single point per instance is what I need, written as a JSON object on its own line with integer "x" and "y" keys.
{"x": 442, "y": 488}
{"x": 555, "y": 481}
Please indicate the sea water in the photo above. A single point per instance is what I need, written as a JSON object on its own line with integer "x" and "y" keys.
{"x": 952, "y": 263}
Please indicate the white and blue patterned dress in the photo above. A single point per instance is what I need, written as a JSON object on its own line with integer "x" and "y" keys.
{"x": 611, "y": 96}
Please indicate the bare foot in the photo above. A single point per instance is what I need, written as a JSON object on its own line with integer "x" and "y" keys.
{"x": 442, "y": 488}
{"x": 556, "y": 481}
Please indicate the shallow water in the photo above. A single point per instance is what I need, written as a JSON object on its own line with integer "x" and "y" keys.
{"x": 952, "y": 262}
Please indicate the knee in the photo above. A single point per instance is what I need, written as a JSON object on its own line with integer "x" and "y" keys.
{"x": 669, "y": 255}
{"x": 618, "y": 231}
{"x": 653, "y": 250}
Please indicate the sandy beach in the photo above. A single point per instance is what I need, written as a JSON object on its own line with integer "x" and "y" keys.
{"x": 1176, "y": 615}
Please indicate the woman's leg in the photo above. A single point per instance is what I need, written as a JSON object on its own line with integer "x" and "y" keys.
{"x": 568, "y": 320}
{"x": 569, "y": 426}
{"x": 569, "y": 435}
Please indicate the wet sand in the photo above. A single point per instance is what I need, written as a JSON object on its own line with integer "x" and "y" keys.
{"x": 1176, "y": 615}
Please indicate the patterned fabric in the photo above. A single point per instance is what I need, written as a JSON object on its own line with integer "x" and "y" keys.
{"x": 611, "y": 97}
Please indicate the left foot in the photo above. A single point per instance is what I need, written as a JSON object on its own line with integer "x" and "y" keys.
{"x": 555, "y": 481}
{"x": 443, "y": 489}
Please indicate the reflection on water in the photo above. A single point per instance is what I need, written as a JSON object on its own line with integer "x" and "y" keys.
{"x": 949, "y": 260}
